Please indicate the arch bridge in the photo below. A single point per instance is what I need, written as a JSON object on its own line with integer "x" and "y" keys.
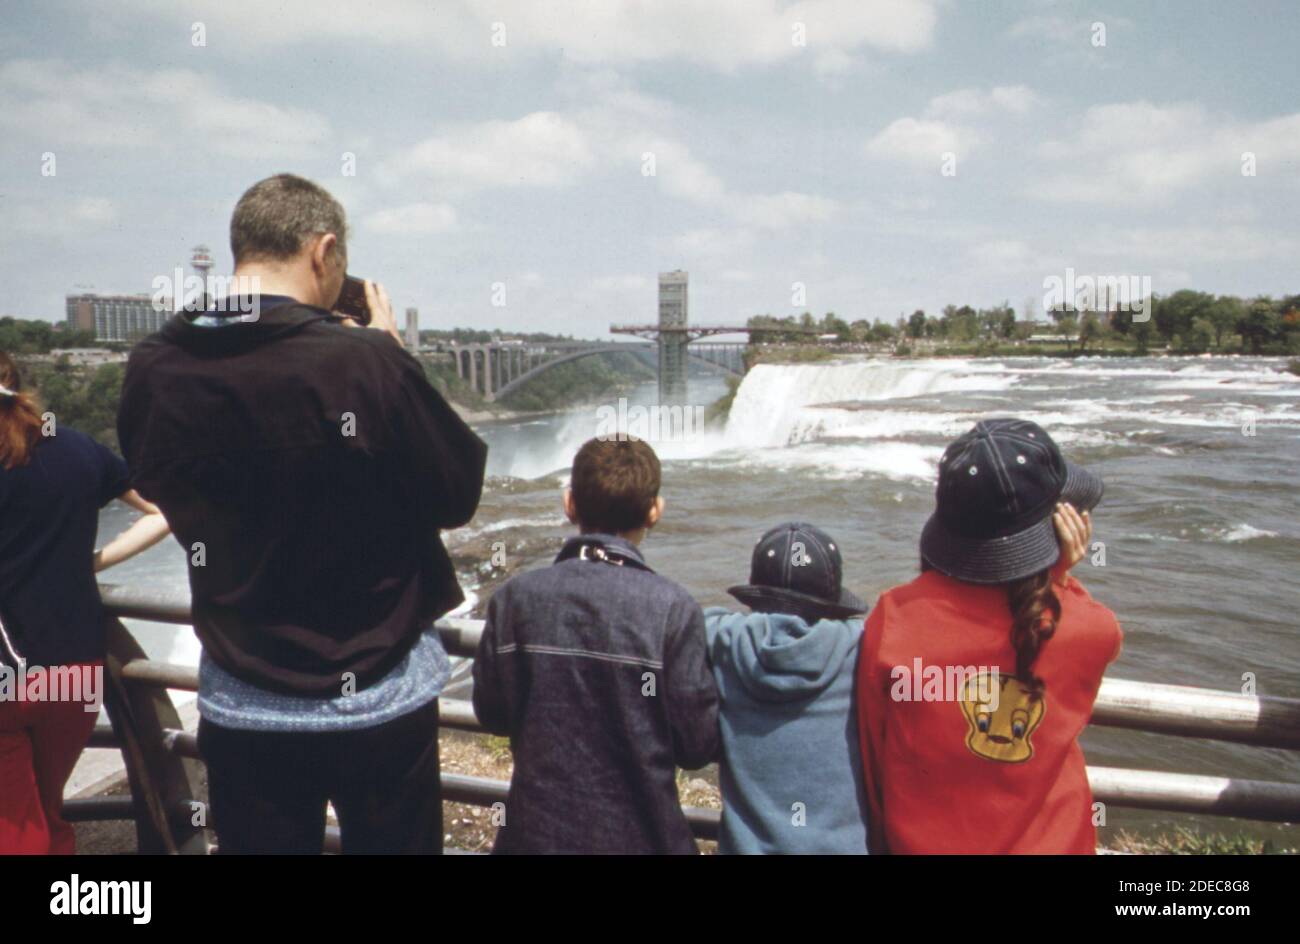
{"x": 497, "y": 368}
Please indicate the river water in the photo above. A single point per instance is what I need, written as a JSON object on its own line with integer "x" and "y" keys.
{"x": 1200, "y": 523}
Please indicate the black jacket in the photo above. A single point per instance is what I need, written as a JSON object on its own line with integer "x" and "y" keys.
{"x": 306, "y": 468}
{"x": 599, "y": 674}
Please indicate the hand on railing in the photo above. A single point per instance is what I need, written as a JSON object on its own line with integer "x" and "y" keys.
{"x": 141, "y": 535}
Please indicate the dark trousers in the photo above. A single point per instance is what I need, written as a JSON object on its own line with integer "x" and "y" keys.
{"x": 268, "y": 789}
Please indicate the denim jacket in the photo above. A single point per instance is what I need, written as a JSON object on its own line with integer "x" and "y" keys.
{"x": 597, "y": 671}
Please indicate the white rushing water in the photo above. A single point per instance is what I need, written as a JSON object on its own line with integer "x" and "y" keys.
{"x": 783, "y": 404}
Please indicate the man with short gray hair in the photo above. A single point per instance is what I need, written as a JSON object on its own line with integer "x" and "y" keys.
{"x": 306, "y": 466}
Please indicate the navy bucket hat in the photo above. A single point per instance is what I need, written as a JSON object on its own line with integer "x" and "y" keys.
{"x": 998, "y": 486}
{"x": 797, "y": 568}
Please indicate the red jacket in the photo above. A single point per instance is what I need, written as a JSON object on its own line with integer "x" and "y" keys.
{"x": 958, "y": 758}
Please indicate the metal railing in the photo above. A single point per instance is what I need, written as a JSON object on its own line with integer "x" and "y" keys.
{"x": 160, "y": 756}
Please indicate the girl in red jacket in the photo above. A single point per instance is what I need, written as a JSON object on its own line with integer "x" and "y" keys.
{"x": 977, "y": 678}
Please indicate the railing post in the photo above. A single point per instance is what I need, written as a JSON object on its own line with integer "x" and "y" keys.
{"x": 153, "y": 741}
{"x": 162, "y": 784}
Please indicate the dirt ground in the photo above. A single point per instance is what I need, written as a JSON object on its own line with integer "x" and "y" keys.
{"x": 465, "y": 828}
{"x": 479, "y": 755}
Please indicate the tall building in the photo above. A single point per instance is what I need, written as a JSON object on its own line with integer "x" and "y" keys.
{"x": 115, "y": 317}
{"x": 201, "y": 260}
{"x": 412, "y": 329}
{"x": 672, "y": 336}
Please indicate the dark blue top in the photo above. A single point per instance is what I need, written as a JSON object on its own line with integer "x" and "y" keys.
{"x": 49, "y": 516}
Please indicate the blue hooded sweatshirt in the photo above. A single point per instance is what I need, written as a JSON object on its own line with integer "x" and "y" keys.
{"x": 791, "y": 768}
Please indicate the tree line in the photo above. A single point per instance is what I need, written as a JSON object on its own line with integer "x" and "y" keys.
{"x": 1186, "y": 321}
{"x": 23, "y": 336}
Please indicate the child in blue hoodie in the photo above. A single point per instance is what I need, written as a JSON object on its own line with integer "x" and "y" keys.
{"x": 791, "y": 770}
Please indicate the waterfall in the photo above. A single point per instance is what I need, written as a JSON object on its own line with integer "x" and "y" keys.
{"x": 784, "y": 404}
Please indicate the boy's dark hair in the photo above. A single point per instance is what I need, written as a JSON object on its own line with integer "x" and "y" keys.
{"x": 615, "y": 483}
{"x": 277, "y": 215}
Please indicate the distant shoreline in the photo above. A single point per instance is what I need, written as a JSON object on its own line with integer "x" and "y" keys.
{"x": 798, "y": 354}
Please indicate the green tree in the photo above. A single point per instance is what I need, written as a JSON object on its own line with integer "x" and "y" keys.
{"x": 1067, "y": 323}
{"x": 1142, "y": 332}
{"x": 1261, "y": 324}
{"x": 1175, "y": 313}
{"x": 1289, "y": 310}
{"x": 80, "y": 398}
{"x": 21, "y": 336}
{"x": 916, "y": 324}
{"x": 1007, "y": 326}
{"x": 1201, "y": 336}
{"x": 1089, "y": 329}
{"x": 831, "y": 324}
{"x": 998, "y": 321}
{"x": 960, "y": 324}
{"x": 1223, "y": 316}
{"x": 782, "y": 329}
{"x": 882, "y": 331}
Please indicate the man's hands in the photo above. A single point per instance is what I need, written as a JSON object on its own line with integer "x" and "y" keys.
{"x": 1074, "y": 533}
{"x": 381, "y": 312}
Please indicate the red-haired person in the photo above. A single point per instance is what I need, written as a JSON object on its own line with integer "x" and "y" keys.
{"x": 977, "y": 678}
{"x": 53, "y": 481}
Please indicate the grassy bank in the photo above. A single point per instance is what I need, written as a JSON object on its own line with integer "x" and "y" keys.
{"x": 482, "y": 755}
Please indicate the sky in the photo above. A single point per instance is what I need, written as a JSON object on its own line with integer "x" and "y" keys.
{"x": 531, "y": 165}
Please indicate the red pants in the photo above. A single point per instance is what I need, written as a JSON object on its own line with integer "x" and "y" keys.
{"x": 40, "y": 742}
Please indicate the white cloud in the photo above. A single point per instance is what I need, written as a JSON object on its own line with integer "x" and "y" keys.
{"x": 921, "y": 141}
{"x": 1004, "y": 255}
{"x": 1060, "y": 30}
{"x": 1050, "y": 27}
{"x": 779, "y": 210}
{"x": 1066, "y": 41}
{"x": 712, "y": 248}
{"x": 720, "y": 34}
{"x": 1194, "y": 244}
{"x": 1142, "y": 153}
{"x": 413, "y": 219}
{"x": 627, "y": 283}
{"x": 833, "y": 63}
{"x": 946, "y": 124}
{"x": 679, "y": 174}
{"x": 613, "y": 132}
{"x": 968, "y": 102}
{"x": 542, "y": 149}
{"x": 94, "y": 210}
{"x": 62, "y": 217}
{"x": 115, "y": 105}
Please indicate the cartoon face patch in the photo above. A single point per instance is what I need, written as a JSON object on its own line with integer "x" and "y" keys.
{"x": 1000, "y": 723}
